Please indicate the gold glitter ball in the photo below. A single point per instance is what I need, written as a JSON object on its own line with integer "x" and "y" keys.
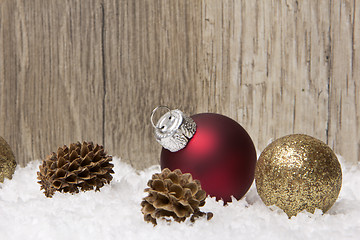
{"x": 298, "y": 172}
{"x": 7, "y": 161}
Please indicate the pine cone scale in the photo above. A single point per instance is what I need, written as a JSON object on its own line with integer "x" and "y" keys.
{"x": 98, "y": 155}
{"x": 73, "y": 156}
{"x": 84, "y": 150}
{"x": 61, "y": 162}
{"x": 200, "y": 195}
{"x": 84, "y": 174}
{"x": 176, "y": 190}
{"x": 174, "y": 177}
{"x": 85, "y": 161}
{"x": 158, "y": 185}
{"x": 182, "y": 211}
{"x": 60, "y": 173}
{"x": 53, "y": 165}
{"x": 193, "y": 187}
{"x": 73, "y": 166}
{"x": 57, "y": 184}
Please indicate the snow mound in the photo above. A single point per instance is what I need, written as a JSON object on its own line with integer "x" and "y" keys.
{"x": 114, "y": 212}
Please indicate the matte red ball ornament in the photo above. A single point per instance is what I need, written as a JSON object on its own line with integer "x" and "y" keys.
{"x": 214, "y": 148}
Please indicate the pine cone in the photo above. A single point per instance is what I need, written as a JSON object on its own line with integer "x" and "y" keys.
{"x": 83, "y": 166}
{"x": 7, "y": 160}
{"x": 173, "y": 194}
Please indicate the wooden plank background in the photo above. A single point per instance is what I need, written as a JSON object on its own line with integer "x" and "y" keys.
{"x": 94, "y": 70}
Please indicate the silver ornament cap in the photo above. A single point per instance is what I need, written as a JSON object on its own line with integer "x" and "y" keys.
{"x": 174, "y": 129}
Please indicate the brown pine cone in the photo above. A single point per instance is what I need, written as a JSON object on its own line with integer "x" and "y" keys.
{"x": 173, "y": 194}
{"x": 82, "y": 166}
{"x": 7, "y": 160}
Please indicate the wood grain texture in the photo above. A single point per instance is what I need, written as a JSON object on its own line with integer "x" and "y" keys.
{"x": 270, "y": 70}
{"x": 94, "y": 70}
{"x": 51, "y": 66}
{"x": 151, "y": 47}
{"x": 344, "y": 105}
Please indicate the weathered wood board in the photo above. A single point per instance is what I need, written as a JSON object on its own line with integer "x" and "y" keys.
{"x": 94, "y": 70}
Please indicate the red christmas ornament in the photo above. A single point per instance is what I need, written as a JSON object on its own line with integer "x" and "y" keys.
{"x": 215, "y": 149}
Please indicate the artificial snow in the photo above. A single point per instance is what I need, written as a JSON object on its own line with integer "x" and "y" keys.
{"x": 114, "y": 212}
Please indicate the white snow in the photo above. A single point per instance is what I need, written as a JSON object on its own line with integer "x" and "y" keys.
{"x": 114, "y": 212}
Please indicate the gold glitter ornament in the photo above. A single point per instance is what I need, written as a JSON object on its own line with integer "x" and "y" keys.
{"x": 7, "y": 161}
{"x": 298, "y": 172}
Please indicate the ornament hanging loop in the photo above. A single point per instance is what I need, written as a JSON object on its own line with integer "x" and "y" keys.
{"x": 153, "y": 113}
